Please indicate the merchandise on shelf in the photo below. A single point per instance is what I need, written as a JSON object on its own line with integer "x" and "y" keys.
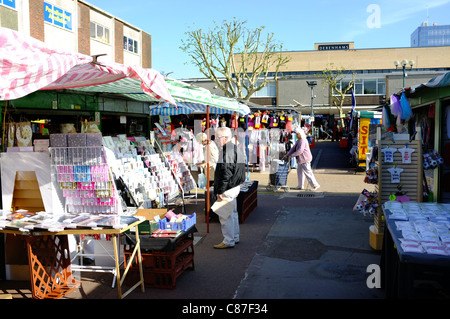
{"x": 181, "y": 171}
{"x": 424, "y": 227}
{"x": 83, "y": 174}
{"x": 147, "y": 178}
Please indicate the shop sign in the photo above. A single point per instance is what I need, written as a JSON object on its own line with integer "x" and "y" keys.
{"x": 9, "y": 3}
{"x": 363, "y": 137}
{"x": 331, "y": 47}
{"x": 57, "y": 16}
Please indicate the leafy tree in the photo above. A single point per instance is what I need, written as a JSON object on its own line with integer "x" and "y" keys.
{"x": 236, "y": 58}
{"x": 333, "y": 77}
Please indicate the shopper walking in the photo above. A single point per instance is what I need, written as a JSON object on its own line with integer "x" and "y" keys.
{"x": 229, "y": 174}
{"x": 302, "y": 153}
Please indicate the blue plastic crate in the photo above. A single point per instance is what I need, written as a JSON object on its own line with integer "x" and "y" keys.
{"x": 183, "y": 225}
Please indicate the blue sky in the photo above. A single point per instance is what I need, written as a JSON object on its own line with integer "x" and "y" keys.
{"x": 297, "y": 24}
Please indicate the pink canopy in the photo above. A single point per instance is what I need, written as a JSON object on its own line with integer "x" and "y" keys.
{"x": 28, "y": 65}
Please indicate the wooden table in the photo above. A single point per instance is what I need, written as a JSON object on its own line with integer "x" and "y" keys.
{"x": 49, "y": 260}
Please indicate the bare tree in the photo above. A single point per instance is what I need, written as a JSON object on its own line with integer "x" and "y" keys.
{"x": 240, "y": 61}
{"x": 333, "y": 77}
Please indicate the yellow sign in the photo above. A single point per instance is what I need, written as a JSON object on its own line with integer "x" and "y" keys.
{"x": 363, "y": 146}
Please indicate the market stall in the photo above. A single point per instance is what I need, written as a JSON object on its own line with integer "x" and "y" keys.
{"x": 359, "y": 139}
{"x": 416, "y": 246}
{"x": 46, "y": 68}
{"x": 73, "y": 192}
{"x": 205, "y": 103}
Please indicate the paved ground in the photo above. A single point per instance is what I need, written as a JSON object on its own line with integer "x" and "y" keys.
{"x": 292, "y": 246}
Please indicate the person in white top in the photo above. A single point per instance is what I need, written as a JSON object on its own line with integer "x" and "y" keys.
{"x": 202, "y": 139}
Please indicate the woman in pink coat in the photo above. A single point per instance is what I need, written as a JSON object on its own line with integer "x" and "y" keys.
{"x": 303, "y": 155}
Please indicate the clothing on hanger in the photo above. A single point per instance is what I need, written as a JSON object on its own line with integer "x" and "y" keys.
{"x": 406, "y": 154}
{"x": 389, "y": 154}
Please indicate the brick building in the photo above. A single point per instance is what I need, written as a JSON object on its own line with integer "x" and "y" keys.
{"x": 78, "y": 26}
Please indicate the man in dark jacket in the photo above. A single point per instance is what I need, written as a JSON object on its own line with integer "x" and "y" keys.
{"x": 229, "y": 174}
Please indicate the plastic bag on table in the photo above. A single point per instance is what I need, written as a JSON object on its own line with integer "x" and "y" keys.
{"x": 202, "y": 180}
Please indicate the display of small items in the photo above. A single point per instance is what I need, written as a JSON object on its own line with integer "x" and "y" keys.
{"x": 83, "y": 174}
{"x": 371, "y": 174}
{"x": 432, "y": 160}
{"x": 367, "y": 203}
{"x": 161, "y": 178}
{"x": 172, "y": 224}
{"x": 180, "y": 169}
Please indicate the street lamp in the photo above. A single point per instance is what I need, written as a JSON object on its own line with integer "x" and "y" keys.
{"x": 312, "y": 84}
{"x": 403, "y": 64}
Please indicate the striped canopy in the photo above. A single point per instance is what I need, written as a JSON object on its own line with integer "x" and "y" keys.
{"x": 28, "y": 65}
{"x": 192, "y": 108}
{"x": 187, "y": 93}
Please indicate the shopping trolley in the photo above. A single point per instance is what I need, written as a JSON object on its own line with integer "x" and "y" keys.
{"x": 279, "y": 171}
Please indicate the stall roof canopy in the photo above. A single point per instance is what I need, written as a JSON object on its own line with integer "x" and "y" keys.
{"x": 438, "y": 81}
{"x": 193, "y": 108}
{"x": 28, "y": 65}
{"x": 369, "y": 114}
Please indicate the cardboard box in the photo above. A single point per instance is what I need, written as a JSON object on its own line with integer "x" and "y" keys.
{"x": 147, "y": 227}
{"x": 42, "y": 142}
{"x": 149, "y": 214}
{"x": 20, "y": 149}
{"x": 41, "y": 148}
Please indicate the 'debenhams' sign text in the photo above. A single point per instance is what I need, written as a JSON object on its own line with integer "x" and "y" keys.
{"x": 57, "y": 16}
{"x": 325, "y": 47}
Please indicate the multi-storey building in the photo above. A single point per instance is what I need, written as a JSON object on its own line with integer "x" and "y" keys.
{"x": 378, "y": 74}
{"x": 431, "y": 35}
{"x": 78, "y": 26}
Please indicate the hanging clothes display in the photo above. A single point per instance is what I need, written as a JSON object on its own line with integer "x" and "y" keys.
{"x": 242, "y": 123}
{"x": 396, "y": 108}
{"x": 273, "y": 121}
{"x": 406, "y": 108}
{"x": 406, "y": 154}
{"x": 253, "y": 137}
{"x": 214, "y": 122}
{"x": 250, "y": 121}
{"x": 289, "y": 120}
{"x": 264, "y": 142}
{"x": 265, "y": 119}
{"x": 257, "y": 120}
{"x": 395, "y": 174}
{"x": 282, "y": 120}
{"x": 388, "y": 154}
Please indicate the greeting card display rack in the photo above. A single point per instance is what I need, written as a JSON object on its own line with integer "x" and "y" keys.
{"x": 84, "y": 177}
{"x": 176, "y": 163}
{"x": 410, "y": 178}
{"x": 150, "y": 176}
{"x": 86, "y": 181}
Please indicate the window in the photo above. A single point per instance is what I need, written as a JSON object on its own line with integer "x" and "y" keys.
{"x": 99, "y": 32}
{"x": 366, "y": 86}
{"x": 269, "y": 90}
{"x": 130, "y": 44}
{"x": 370, "y": 87}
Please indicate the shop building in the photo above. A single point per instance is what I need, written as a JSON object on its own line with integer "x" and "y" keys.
{"x": 379, "y": 73}
{"x": 430, "y": 35}
{"x": 78, "y": 26}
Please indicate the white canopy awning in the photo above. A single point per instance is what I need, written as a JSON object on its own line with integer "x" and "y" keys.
{"x": 28, "y": 65}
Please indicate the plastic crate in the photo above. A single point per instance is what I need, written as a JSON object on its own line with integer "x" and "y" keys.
{"x": 162, "y": 268}
{"x": 183, "y": 225}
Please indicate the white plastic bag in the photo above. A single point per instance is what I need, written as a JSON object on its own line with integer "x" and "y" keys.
{"x": 202, "y": 180}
